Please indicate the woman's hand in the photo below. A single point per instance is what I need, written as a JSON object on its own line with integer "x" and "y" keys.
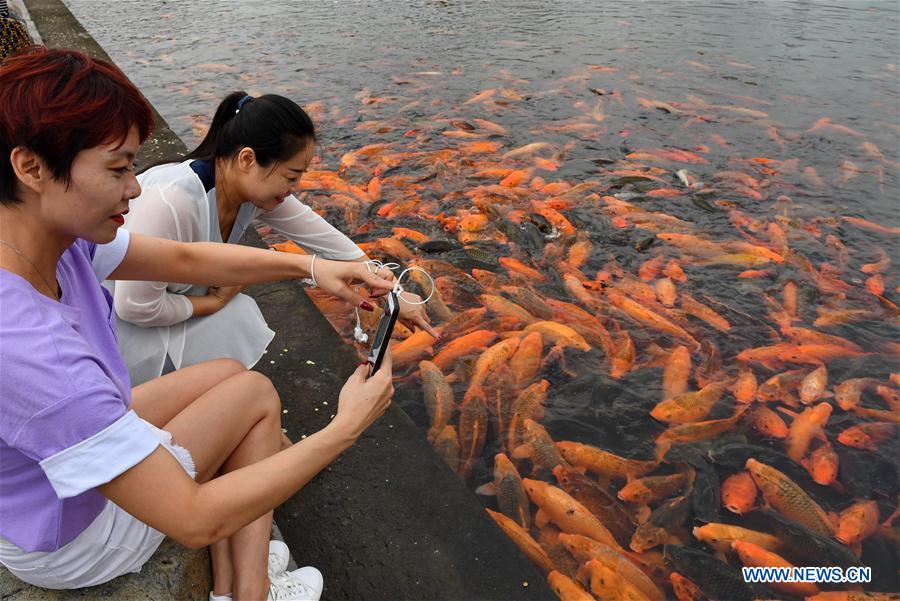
{"x": 223, "y": 294}
{"x": 336, "y": 277}
{"x": 364, "y": 399}
{"x": 413, "y": 313}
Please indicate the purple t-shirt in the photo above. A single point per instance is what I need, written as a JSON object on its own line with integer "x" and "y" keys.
{"x": 65, "y": 426}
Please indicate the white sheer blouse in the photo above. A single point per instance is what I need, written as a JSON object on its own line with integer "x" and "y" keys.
{"x": 174, "y": 204}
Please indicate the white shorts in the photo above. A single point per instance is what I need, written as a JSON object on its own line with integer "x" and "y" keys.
{"x": 114, "y": 544}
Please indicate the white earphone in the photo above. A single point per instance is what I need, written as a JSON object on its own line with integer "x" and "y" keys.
{"x": 358, "y": 334}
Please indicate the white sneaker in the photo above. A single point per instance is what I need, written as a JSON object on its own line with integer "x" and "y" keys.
{"x": 279, "y": 557}
{"x": 304, "y": 584}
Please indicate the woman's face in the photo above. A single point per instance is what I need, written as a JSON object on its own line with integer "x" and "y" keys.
{"x": 101, "y": 184}
{"x": 266, "y": 187}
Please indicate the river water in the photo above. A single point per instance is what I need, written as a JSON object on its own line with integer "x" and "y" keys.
{"x": 801, "y": 97}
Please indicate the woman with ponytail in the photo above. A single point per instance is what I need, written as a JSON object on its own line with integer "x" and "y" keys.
{"x": 247, "y": 167}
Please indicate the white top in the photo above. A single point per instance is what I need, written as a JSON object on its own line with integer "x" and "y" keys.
{"x": 175, "y": 205}
{"x": 155, "y": 319}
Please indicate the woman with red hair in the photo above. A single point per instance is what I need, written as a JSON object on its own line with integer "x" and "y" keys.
{"x": 93, "y": 473}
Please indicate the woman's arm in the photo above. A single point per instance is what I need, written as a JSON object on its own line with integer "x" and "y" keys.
{"x": 214, "y": 264}
{"x": 159, "y": 492}
{"x": 307, "y": 228}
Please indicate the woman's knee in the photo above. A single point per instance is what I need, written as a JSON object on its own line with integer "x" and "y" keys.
{"x": 227, "y": 367}
{"x": 262, "y": 391}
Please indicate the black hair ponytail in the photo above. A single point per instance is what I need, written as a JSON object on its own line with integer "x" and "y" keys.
{"x": 272, "y": 125}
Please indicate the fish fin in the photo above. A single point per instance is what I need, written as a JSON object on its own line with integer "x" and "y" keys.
{"x": 486, "y": 490}
{"x": 856, "y": 549}
{"x": 522, "y": 451}
{"x": 541, "y": 518}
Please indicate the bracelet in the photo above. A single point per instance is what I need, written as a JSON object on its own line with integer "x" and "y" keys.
{"x": 312, "y": 271}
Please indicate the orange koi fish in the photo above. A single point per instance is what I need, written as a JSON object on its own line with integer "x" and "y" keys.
{"x": 826, "y": 124}
{"x": 603, "y": 463}
{"x": 623, "y": 355}
{"x": 673, "y": 271}
{"x": 684, "y": 589}
{"x": 647, "y": 317}
{"x": 473, "y": 342}
{"x": 697, "y": 431}
{"x": 867, "y": 436}
{"x": 566, "y": 588}
{"x": 538, "y": 447}
{"x": 813, "y": 385}
{"x": 822, "y": 463}
{"x": 767, "y": 422}
{"x": 691, "y": 406}
{"x": 526, "y": 361}
{"x": 739, "y": 493}
{"x": 517, "y": 266}
{"x": 788, "y": 499}
{"x": 488, "y": 362}
{"x": 868, "y": 225}
{"x": 651, "y": 489}
{"x": 666, "y": 292}
{"x": 607, "y": 584}
{"x": 412, "y": 348}
{"x": 676, "y": 372}
{"x": 524, "y": 541}
{"x": 506, "y": 308}
{"x": 566, "y": 513}
{"x": 858, "y": 522}
{"x": 744, "y": 388}
{"x": 527, "y": 405}
{"x": 446, "y": 444}
{"x": 650, "y": 268}
{"x": 507, "y": 486}
{"x": 559, "y": 334}
{"x": 754, "y": 556}
{"x": 804, "y": 427}
{"x": 697, "y": 309}
{"x": 720, "y": 536}
{"x": 481, "y": 96}
{"x": 817, "y": 354}
{"x": 473, "y": 423}
{"x": 806, "y": 336}
{"x": 438, "y": 398}
{"x": 879, "y": 266}
{"x": 584, "y": 549}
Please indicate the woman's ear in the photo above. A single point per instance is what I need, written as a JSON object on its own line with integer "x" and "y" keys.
{"x": 30, "y": 169}
{"x": 246, "y": 159}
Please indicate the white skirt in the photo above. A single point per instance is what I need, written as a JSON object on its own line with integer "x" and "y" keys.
{"x": 116, "y": 543}
{"x": 237, "y": 331}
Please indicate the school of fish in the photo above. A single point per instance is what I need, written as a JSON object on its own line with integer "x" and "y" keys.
{"x": 730, "y": 412}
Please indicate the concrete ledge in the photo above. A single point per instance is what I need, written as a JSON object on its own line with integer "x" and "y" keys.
{"x": 173, "y": 573}
{"x": 388, "y": 520}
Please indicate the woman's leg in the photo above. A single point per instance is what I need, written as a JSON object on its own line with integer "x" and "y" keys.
{"x": 235, "y": 423}
{"x": 161, "y": 399}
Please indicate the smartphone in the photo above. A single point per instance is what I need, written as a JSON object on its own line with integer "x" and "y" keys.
{"x": 383, "y": 332}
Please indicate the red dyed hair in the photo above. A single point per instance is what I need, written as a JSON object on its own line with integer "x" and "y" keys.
{"x": 60, "y": 102}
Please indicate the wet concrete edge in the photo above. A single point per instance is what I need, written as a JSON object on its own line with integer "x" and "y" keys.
{"x": 387, "y": 520}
